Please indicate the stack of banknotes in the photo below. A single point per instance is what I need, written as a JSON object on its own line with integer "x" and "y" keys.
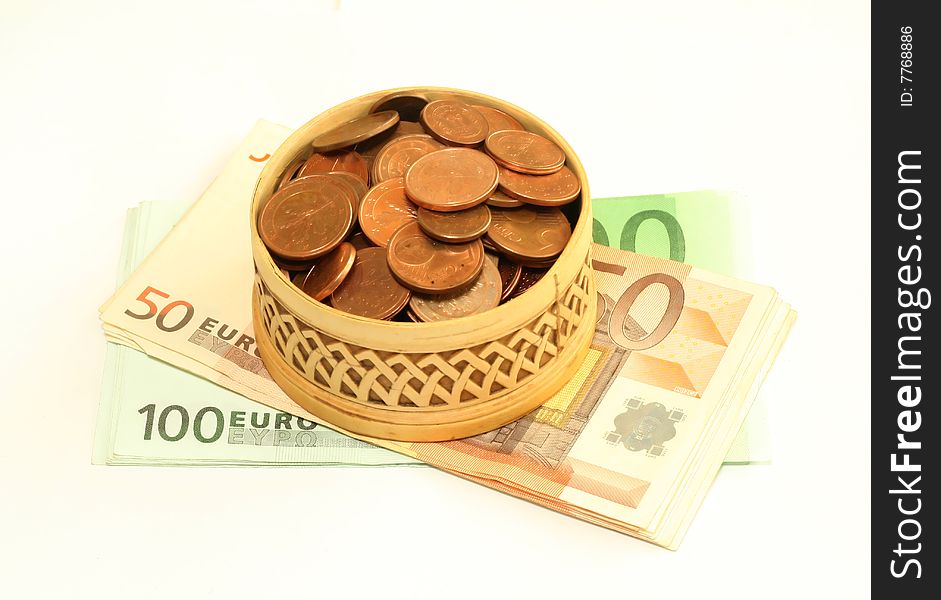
{"x": 632, "y": 443}
{"x": 144, "y": 401}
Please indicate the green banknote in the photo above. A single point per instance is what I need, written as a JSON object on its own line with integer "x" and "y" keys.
{"x": 153, "y": 413}
{"x": 698, "y": 228}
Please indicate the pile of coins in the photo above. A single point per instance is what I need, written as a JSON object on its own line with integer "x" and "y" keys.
{"x": 421, "y": 211}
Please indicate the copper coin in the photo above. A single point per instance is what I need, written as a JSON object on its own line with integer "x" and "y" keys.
{"x": 359, "y": 186}
{"x": 454, "y": 122}
{"x": 354, "y": 180}
{"x": 412, "y": 316}
{"x": 352, "y": 183}
{"x": 292, "y": 265}
{"x": 533, "y": 264}
{"x": 355, "y": 131}
{"x": 290, "y": 172}
{"x": 497, "y": 120}
{"x": 481, "y": 296}
{"x": 501, "y": 200}
{"x": 343, "y": 160}
{"x": 528, "y": 278}
{"x": 328, "y": 272}
{"x": 384, "y": 209}
{"x": 451, "y": 179}
{"x": 360, "y": 241}
{"x": 394, "y": 159}
{"x": 488, "y": 245}
{"x": 408, "y": 104}
{"x": 371, "y": 147}
{"x": 426, "y": 265}
{"x": 369, "y": 289}
{"x": 307, "y": 218}
{"x": 531, "y": 232}
{"x": 410, "y": 127}
{"x": 455, "y": 227}
{"x": 510, "y": 273}
{"x": 525, "y": 152}
{"x": 545, "y": 190}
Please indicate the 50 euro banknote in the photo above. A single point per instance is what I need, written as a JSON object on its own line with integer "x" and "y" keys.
{"x": 631, "y": 443}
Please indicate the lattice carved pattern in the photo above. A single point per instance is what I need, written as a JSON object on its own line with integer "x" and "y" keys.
{"x": 427, "y": 379}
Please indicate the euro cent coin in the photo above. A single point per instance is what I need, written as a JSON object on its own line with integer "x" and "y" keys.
{"x": 497, "y": 120}
{"x": 360, "y": 241}
{"x": 384, "y": 209}
{"x": 483, "y": 295}
{"x": 451, "y": 179}
{"x": 525, "y": 152}
{"x": 307, "y": 219}
{"x": 528, "y": 278}
{"x": 359, "y": 186}
{"x": 355, "y": 131}
{"x": 329, "y": 272}
{"x": 530, "y": 232}
{"x": 432, "y": 267}
{"x": 556, "y": 189}
{"x": 455, "y": 227}
{"x": 369, "y": 289}
{"x": 501, "y": 200}
{"x": 290, "y": 173}
{"x": 510, "y": 273}
{"x": 395, "y": 158}
{"x": 343, "y": 160}
{"x": 454, "y": 123}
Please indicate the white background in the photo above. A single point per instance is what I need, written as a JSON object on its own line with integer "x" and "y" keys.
{"x": 104, "y": 105}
